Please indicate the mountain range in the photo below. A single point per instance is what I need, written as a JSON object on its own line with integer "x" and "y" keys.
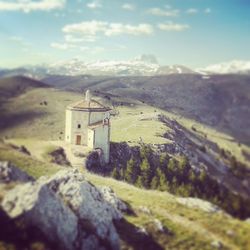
{"x": 145, "y": 65}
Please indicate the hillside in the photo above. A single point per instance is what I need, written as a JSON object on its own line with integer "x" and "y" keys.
{"x": 183, "y": 227}
{"x": 32, "y": 108}
{"x": 219, "y": 101}
{"x": 14, "y": 86}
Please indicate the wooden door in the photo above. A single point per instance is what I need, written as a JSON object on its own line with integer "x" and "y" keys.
{"x": 78, "y": 140}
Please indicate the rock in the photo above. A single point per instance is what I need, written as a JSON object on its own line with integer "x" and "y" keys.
{"x": 112, "y": 198}
{"x": 39, "y": 207}
{"x": 59, "y": 157}
{"x": 199, "y": 204}
{"x": 142, "y": 230}
{"x": 158, "y": 225}
{"x": 88, "y": 203}
{"x": 9, "y": 172}
{"x": 145, "y": 210}
{"x": 67, "y": 209}
{"x": 217, "y": 244}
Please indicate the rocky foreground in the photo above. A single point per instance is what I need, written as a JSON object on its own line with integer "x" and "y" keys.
{"x": 66, "y": 210}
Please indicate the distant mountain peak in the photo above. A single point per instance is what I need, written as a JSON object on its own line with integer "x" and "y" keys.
{"x": 231, "y": 67}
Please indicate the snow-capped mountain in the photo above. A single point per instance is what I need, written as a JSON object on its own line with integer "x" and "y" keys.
{"x": 174, "y": 69}
{"x": 121, "y": 68}
{"x": 232, "y": 67}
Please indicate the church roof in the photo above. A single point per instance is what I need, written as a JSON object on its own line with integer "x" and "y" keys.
{"x": 88, "y": 106}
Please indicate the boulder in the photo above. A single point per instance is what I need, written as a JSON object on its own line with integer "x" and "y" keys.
{"x": 67, "y": 209}
{"x": 95, "y": 214}
{"x": 10, "y": 173}
{"x": 39, "y": 207}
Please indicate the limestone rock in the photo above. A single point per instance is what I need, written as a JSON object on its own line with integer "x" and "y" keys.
{"x": 40, "y": 207}
{"x": 9, "y": 172}
{"x": 88, "y": 203}
{"x": 67, "y": 209}
{"x": 112, "y": 198}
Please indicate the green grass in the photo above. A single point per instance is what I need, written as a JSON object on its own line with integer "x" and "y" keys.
{"x": 137, "y": 122}
{"x": 186, "y": 228}
{"x": 32, "y": 166}
{"x": 192, "y": 228}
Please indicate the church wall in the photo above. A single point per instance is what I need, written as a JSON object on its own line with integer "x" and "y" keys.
{"x": 68, "y": 126}
{"x": 96, "y": 117}
{"x": 101, "y": 140}
{"x": 79, "y": 123}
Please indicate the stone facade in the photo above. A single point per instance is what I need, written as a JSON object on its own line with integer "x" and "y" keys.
{"x": 87, "y": 124}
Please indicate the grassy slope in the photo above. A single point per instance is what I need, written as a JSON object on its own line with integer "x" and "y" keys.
{"x": 22, "y": 116}
{"x": 186, "y": 228}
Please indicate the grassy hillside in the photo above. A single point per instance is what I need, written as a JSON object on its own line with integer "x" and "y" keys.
{"x": 184, "y": 227}
{"x": 218, "y": 101}
{"x": 32, "y": 109}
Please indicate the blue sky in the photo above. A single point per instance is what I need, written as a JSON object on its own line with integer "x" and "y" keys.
{"x": 194, "y": 33}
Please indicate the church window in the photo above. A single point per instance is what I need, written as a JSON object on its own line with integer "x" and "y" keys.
{"x": 79, "y": 126}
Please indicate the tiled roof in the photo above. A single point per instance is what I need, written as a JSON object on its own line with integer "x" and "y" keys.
{"x": 84, "y": 105}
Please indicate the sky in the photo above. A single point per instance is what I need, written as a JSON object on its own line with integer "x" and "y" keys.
{"x": 195, "y": 33}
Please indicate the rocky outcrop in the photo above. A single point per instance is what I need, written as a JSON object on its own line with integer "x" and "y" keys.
{"x": 10, "y": 173}
{"x": 67, "y": 209}
{"x": 110, "y": 196}
{"x": 59, "y": 157}
{"x": 199, "y": 204}
{"x": 38, "y": 206}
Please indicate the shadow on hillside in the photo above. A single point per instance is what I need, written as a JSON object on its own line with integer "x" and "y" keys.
{"x": 133, "y": 237}
{"x": 14, "y": 119}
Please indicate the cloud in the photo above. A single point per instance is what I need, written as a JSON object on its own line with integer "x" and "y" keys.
{"x": 62, "y": 46}
{"x": 128, "y": 6}
{"x": 170, "y": 26}
{"x": 90, "y": 29}
{"x": 192, "y": 11}
{"x": 94, "y": 5}
{"x": 167, "y": 11}
{"x": 119, "y": 29}
{"x": 207, "y": 10}
{"x": 30, "y": 5}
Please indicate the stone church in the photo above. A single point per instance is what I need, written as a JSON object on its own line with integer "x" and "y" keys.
{"x": 88, "y": 124}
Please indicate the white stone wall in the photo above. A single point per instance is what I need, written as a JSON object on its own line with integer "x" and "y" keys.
{"x": 101, "y": 140}
{"x": 91, "y": 136}
{"x": 73, "y": 119}
{"x": 68, "y": 125}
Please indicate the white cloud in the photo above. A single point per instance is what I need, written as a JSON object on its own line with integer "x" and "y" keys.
{"x": 207, "y": 10}
{"x": 167, "y": 11}
{"x": 94, "y": 5}
{"x": 119, "y": 28}
{"x": 170, "y": 26}
{"x": 128, "y": 6}
{"x": 62, "y": 46}
{"x": 79, "y": 39}
{"x": 31, "y": 5}
{"x": 192, "y": 11}
{"x": 90, "y": 29}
